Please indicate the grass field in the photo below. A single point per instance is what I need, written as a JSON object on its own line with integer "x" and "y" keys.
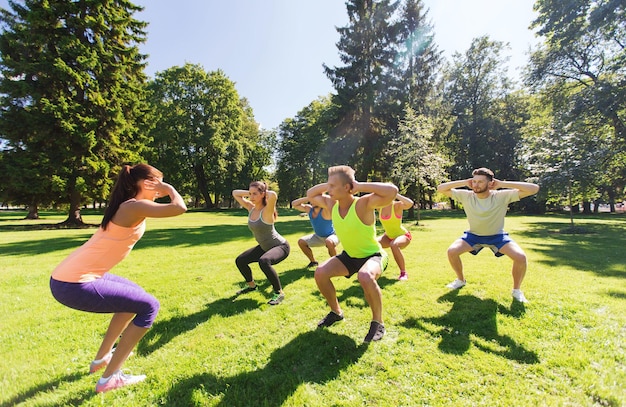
{"x": 471, "y": 347}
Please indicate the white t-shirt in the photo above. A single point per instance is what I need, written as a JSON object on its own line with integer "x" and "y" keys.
{"x": 486, "y": 216}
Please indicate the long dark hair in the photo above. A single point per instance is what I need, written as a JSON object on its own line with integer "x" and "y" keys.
{"x": 126, "y": 187}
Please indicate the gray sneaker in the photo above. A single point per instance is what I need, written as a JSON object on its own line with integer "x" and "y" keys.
{"x": 376, "y": 332}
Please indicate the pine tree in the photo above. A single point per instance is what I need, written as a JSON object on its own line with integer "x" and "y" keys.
{"x": 367, "y": 48}
{"x": 72, "y": 95}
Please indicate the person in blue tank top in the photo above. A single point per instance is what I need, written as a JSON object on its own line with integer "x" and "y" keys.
{"x": 272, "y": 248}
{"x": 323, "y": 230}
{"x": 355, "y": 224}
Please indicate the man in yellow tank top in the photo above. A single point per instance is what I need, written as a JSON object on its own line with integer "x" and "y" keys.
{"x": 355, "y": 225}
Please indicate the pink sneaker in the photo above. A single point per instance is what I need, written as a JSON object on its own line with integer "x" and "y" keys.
{"x": 118, "y": 380}
{"x": 403, "y": 276}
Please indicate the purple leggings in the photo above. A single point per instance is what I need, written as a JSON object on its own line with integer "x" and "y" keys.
{"x": 109, "y": 294}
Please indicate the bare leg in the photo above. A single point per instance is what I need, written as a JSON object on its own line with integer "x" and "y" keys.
{"x": 118, "y": 323}
{"x": 306, "y": 250}
{"x": 396, "y": 246}
{"x": 130, "y": 337}
{"x": 454, "y": 257}
{"x": 368, "y": 275}
{"x": 323, "y": 274}
{"x": 330, "y": 245}
{"x": 520, "y": 263}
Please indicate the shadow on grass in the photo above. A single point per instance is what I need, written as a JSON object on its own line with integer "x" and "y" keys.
{"x": 313, "y": 357}
{"x": 472, "y": 321}
{"x": 50, "y": 386}
{"x": 174, "y": 237}
{"x": 600, "y": 251}
{"x": 163, "y": 332}
{"x": 617, "y": 294}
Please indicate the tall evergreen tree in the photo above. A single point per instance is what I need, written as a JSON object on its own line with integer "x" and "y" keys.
{"x": 71, "y": 95}
{"x": 367, "y": 48}
{"x": 418, "y": 58}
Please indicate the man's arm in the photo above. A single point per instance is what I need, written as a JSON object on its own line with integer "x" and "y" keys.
{"x": 316, "y": 196}
{"x": 447, "y": 187}
{"x": 525, "y": 188}
{"x": 379, "y": 194}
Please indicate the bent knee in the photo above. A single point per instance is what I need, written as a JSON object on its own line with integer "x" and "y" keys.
{"x": 366, "y": 276}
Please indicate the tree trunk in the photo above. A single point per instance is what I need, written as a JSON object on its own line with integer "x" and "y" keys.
{"x": 33, "y": 211}
{"x": 203, "y": 185}
{"x": 73, "y": 217}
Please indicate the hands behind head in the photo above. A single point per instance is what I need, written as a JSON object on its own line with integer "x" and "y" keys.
{"x": 155, "y": 184}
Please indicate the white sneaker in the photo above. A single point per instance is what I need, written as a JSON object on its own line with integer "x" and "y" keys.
{"x": 456, "y": 284}
{"x": 519, "y": 296}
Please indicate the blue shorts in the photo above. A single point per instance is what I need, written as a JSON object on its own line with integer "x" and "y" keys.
{"x": 494, "y": 242}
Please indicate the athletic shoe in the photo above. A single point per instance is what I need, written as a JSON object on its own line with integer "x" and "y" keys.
{"x": 403, "y": 276}
{"x": 456, "y": 284}
{"x": 329, "y": 319}
{"x": 246, "y": 290}
{"x": 519, "y": 296}
{"x": 117, "y": 380}
{"x": 94, "y": 366}
{"x": 376, "y": 332}
{"x": 276, "y": 299}
{"x": 312, "y": 264}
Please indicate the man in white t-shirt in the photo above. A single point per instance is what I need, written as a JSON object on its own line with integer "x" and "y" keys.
{"x": 485, "y": 205}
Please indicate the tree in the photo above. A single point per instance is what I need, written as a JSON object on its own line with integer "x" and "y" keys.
{"x": 71, "y": 95}
{"x": 416, "y": 159}
{"x": 303, "y": 152}
{"x": 367, "y": 48}
{"x": 417, "y": 59}
{"x": 477, "y": 89}
{"x": 584, "y": 48}
{"x": 199, "y": 128}
{"x": 568, "y": 157}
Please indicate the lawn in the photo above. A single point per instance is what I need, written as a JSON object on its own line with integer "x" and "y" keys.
{"x": 474, "y": 346}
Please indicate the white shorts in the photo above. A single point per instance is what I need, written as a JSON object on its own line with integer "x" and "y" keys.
{"x": 314, "y": 240}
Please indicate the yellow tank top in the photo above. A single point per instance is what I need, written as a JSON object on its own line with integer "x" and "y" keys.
{"x": 392, "y": 225}
{"x": 357, "y": 238}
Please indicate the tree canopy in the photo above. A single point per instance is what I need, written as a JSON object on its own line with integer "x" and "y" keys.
{"x": 70, "y": 98}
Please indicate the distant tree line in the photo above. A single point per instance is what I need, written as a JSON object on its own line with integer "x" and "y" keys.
{"x": 75, "y": 104}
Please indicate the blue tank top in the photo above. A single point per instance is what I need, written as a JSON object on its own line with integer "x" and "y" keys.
{"x": 322, "y": 227}
{"x": 265, "y": 234}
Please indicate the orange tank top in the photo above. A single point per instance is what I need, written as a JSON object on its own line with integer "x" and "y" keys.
{"x": 104, "y": 250}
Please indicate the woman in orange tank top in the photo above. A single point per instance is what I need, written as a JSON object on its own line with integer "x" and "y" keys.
{"x": 82, "y": 281}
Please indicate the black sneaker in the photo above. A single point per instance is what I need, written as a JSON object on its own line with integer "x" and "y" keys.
{"x": 376, "y": 332}
{"x": 329, "y": 319}
{"x": 312, "y": 264}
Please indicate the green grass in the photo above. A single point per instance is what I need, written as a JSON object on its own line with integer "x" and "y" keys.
{"x": 567, "y": 347}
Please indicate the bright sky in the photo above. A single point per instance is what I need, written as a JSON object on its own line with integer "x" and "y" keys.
{"x": 274, "y": 49}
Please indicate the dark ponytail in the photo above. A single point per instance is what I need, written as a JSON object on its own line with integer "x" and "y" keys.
{"x": 126, "y": 187}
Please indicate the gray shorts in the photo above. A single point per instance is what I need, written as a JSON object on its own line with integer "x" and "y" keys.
{"x": 314, "y": 240}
